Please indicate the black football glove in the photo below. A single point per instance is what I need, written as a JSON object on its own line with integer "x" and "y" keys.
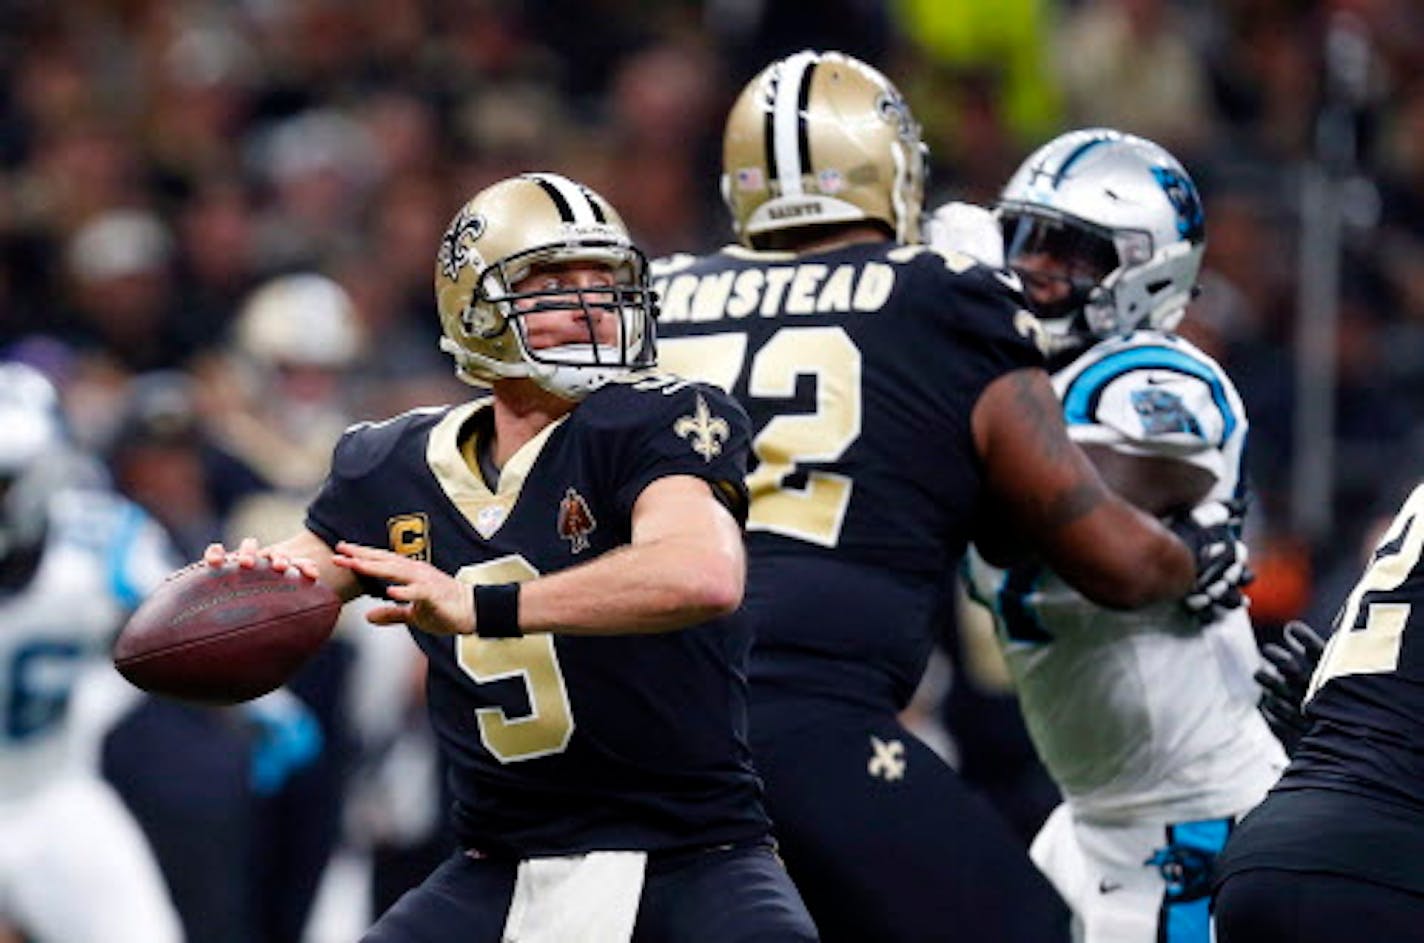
{"x": 1212, "y": 530}
{"x": 1285, "y": 680}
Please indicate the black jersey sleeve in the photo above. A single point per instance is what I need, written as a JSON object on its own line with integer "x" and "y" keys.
{"x": 365, "y": 465}
{"x": 666, "y": 426}
{"x": 988, "y": 312}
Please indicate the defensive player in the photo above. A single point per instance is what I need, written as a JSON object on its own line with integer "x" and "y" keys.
{"x": 900, "y": 406}
{"x": 589, "y": 694}
{"x": 1336, "y": 852}
{"x": 74, "y": 560}
{"x": 1146, "y": 719}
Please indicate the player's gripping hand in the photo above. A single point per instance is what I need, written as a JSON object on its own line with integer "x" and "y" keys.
{"x": 1212, "y": 531}
{"x": 425, "y": 596}
{"x": 1286, "y": 679}
{"x": 248, "y": 554}
{"x": 969, "y": 229}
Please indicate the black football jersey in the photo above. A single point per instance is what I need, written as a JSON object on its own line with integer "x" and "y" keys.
{"x": 1366, "y": 700}
{"x": 563, "y": 744}
{"x": 860, "y": 368}
{"x": 1352, "y": 800}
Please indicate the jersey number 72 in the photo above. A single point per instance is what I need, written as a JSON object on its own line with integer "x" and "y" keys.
{"x": 813, "y": 513}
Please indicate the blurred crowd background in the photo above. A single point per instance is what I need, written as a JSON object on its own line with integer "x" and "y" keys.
{"x": 218, "y": 218}
{"x": 162, "y": 159}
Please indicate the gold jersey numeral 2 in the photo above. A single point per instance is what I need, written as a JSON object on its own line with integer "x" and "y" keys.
{"x": 816, "y": 511}
{"x": 1375, "y": 648}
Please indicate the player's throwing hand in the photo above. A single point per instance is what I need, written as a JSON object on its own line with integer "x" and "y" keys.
{"x": 424, "y": 596}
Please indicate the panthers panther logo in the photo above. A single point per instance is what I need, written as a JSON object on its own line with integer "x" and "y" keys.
{"x": 1185, "y": 870}
{"x": 1191, "y": 221}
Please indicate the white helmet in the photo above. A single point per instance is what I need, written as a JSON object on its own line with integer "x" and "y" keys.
{"x": 33, "y": 453}
{"x": 1126, "y": 216}
{"x": 495, "y": 240}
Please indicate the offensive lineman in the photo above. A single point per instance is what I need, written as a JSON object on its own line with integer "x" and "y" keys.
{"x": 900, "y": 407}
{"x": 1335, "y": 853}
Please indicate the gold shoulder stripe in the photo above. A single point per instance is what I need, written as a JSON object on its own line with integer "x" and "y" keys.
{"x": 485, "y": 510}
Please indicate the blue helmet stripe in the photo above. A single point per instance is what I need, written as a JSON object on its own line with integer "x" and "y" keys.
{"x": 1075, "y": 156}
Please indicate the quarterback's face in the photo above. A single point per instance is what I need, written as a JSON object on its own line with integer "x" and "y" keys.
{"x": 568, "y": 308}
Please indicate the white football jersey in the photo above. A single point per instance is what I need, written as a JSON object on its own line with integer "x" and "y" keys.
{"x": 1139, "y": 713}
{"x": 102, "y": 555}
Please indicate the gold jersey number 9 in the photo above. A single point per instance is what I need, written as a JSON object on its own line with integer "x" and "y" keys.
{"x": 549, "y": 725}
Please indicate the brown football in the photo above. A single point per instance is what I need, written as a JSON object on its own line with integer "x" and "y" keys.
{"x": 222, "y": 636}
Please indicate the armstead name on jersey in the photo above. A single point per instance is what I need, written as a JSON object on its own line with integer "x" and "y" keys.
{"x": 777, "y": 283}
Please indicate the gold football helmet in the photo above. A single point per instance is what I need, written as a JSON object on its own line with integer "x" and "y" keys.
{"x": 822, "y": 138}
{"x": 495, "y": 241}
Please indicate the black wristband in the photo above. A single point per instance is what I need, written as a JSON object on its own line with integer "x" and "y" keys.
{"x": 497, "y": 610}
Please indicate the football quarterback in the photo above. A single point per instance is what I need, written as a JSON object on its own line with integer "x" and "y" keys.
{"x": 566, "y": 552}
{"x": 495, "y": 241}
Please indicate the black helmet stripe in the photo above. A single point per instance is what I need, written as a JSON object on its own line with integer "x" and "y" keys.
{"x": 768, "y": 128}
{"x": 598, "y": 213}
{"x": 573, "y": 201}
{"x": 803, "y": 135}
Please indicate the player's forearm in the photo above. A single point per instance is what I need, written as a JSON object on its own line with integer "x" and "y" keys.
{"x": 1121, "y": 558}
{"x": 659, "y": 586}
{"x": 1102, "y": 546}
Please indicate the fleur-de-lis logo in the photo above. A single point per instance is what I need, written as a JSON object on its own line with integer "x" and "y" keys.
{"x": 704, "y": 431}
{"x": 457, "y": 246}
{"x": 887, "y": 760}
{"x": 893, "y": 109}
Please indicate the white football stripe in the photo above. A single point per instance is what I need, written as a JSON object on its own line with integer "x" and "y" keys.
{"x": 786, "y": 123}
{"x": 573, "y": 195}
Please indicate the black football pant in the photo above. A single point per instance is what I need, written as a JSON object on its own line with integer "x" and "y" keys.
{"x": 728, "y": 895}
{"x": 883, "y": 839}
{"x": 1269, "y": 906}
